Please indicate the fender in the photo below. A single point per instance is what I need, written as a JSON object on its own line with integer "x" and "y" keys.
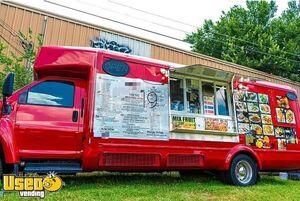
{"x": 241, "y": 149}
{"x": 8, "y": 142}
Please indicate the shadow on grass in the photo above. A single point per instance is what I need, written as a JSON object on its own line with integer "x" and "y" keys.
{"x": 169, "y": 178}
{"x": 271, "y": 180}
{"x": 106, "y": 178}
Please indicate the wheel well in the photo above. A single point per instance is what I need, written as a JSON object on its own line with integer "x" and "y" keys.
{"x": 247, "y": 154}
{"x": 2, "y": 155}
{"x": 6, "y": 167}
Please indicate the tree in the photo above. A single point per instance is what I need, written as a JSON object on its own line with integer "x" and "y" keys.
{"x": 21, "y": 66}
{"x": 254, "y": 37}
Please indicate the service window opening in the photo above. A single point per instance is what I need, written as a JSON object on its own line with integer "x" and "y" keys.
{"x": 199, "y": 97}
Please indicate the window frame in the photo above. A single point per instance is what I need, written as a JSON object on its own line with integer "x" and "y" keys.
{"x": 201, "y": 80}
{"x": 60, "y": 106}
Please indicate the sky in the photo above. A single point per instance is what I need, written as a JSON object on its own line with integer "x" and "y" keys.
{"x": 166, "y": 21}
{"x": 191, "y": 12}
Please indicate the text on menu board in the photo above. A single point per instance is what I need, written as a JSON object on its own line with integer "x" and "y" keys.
{"x": 130, "y": 108}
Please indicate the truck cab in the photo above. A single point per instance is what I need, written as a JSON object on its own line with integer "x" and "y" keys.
{"x": 90, "y": 109}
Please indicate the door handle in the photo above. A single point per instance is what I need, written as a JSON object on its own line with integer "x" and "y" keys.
{"x": 75, "y": 116}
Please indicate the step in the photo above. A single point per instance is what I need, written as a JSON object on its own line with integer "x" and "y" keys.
{"x": 57, "y": 167}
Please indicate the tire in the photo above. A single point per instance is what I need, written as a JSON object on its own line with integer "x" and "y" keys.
{"x": 243, "y": 171}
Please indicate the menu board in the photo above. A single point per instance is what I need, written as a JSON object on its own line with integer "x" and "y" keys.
{"x": 285, "y": 136}
{"x": 284, "y": 114}
{"x": 200, "y": 123}
{"x": 130, "y": 108}
{"x": 254, "y": 117}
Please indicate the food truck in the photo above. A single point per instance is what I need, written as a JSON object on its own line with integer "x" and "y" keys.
{"x": 92, "y": 110}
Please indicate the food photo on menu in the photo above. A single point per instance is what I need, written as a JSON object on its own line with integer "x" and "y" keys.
{"x": 254, "y": 118}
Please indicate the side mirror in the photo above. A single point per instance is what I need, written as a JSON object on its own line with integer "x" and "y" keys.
{"x": 8, "y": 85}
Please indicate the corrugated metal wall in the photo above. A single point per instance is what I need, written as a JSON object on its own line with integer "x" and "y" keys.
{"x": 138, "y": 47}
{"x": 58, "y": 31}
{"x": 61, "y": 31}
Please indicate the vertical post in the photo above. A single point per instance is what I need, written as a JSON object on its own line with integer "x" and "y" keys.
{"x": 42, "y": 34}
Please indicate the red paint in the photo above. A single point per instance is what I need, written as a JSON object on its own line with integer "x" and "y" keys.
{"x": 43, "y": 132}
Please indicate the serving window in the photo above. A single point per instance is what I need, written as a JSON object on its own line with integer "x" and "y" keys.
{"x": 177, "y": 97}
{"x": 197, "y": 96}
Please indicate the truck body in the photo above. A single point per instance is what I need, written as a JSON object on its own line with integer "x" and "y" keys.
{"x": 90, "y": 109}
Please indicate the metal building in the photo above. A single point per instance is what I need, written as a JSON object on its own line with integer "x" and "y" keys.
{"x": 59, "y": 30}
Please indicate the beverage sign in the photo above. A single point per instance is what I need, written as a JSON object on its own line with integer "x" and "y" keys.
{"x": 209, "y": 105}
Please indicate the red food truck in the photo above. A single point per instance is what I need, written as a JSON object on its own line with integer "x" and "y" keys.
{"x": 90, "y": 109}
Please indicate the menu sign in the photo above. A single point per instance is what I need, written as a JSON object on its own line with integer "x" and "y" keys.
{"x": 285, "y": 136}
{"x": 209, "y": 105}
{"x": 130, "y": 108}
{"x": 284, "y": 113}
{"x": 254, "y": 117}
{"x": 179, "y": 122}
{"x": 216, "y": 124}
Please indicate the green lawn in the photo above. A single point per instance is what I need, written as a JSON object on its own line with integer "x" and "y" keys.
{"x": 167, "y": 186}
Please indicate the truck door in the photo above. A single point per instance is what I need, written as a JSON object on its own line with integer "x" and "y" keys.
{"x": 48, "y": 120}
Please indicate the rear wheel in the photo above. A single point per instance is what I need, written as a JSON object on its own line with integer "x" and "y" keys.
{"x": 242, "y": 172}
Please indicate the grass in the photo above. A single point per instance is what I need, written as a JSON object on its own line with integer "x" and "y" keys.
{"x": 166, "y": 186}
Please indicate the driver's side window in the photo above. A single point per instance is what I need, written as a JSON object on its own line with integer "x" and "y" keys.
{"x": 50, "y": 93}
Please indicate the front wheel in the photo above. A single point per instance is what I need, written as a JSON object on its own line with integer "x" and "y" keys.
{"x": 242, "y": 172}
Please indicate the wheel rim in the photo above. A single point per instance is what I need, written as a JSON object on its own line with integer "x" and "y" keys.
{"x": 243, "y": 172}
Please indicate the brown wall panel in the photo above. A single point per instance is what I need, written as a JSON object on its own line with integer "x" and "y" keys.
{"x": 75, "y": 35}
{"x": 55, "y": 32}
{"x": 62, "y": 32}
{"x": 69, "y": 34}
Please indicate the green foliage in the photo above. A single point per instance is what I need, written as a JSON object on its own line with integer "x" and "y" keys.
{"x": 21, "y": 66}
{"x": 254, "y": 37}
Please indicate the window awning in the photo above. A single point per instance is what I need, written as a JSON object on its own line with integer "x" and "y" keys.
{"x": 203, "y": 72}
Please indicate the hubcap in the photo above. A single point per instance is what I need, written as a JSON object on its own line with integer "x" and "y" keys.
{"x": 243, "y": 172}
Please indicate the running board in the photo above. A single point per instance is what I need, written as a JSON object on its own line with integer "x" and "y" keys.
{"x": 57, "y": 167}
